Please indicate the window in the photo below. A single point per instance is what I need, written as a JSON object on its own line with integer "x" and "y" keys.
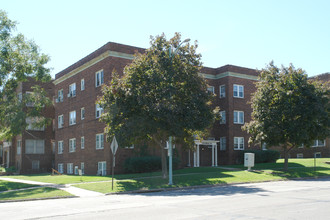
{"x": 72, "y": 90}
{"x": 19, "y": 147}
{"x": 319, "y": 143}
{"x": 82, "y": 142}
{"x": 238, "y": 117}
{"x": 238, "y": 143}
{"x": 317, "y": 155}
{"x": 223, "y": 143}
{"x": 82, "y": 113}
{"x": 99, "y": 141}
{"x": 60, "y": 167}
{"x": 300, "y": 155}
{"x": 72, "y": 118}
{"x": 238, "y": 91}
{"x": 60, "y": 121}
{"x": 82, "y": 84}
{"x": 34, "y": 146}
{"x": 99, "y": 78}
{"x": 222, "y": 117}
{"x": 210, "y": 89}
{"x": 72, "y": 145}
{"x": 99, "y": 110}
{"x": 60, "y": 147}
{"x": 31, "y": 121}
{"x": 35, "y": 164}
{"x": 69, "y": 168}
{"x": 82, "y": 167}
{"x": 59, "y": 95}
{"x": 264, "y": 146}
{"x": 76, "y": 170}
{"x": 222, "y": 89}
{"x": 102, "y": 168}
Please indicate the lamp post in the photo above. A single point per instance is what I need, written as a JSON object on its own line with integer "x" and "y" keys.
{"x": 170, "y": 148}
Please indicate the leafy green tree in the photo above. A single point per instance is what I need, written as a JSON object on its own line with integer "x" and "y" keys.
{"x": 288, "y": 109}
{"x": 20, "y": 60}
{"x": 161, "y": 94}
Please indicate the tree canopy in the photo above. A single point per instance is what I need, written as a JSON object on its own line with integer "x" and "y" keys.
{"x": 289, "y": 110}
{"x": 20, "y": 60}
{"x": 160, "y": 94}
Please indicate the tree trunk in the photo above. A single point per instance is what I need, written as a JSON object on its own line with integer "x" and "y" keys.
{"x": 164, "y": 161}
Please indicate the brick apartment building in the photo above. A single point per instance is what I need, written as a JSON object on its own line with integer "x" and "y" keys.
{"x": 33, "y": 151}
{"x": 80, "y": 142}
{"x": 79, "y": 134}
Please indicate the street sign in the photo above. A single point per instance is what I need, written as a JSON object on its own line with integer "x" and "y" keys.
{"x": 114, "y": 145}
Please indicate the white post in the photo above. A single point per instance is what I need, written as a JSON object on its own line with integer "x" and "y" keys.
{"x": 212, "y": 155}
{"x": 198, "y": 161}
{"x": 195, "y": 156}
{"x": 216, "y": 155}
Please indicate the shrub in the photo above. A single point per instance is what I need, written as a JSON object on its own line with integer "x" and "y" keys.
{"x": 262, "y": 156}
{"x": 142, "y": 164}
{"x": 146, "y": 164}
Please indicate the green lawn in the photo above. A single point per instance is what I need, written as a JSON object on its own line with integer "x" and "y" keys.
{"x": 44, "y": 192}
{"x": 6, "y": 185}
{"x": 192, "y": 176}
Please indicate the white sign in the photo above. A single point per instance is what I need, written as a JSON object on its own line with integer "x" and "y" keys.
{"x": 114, "y": 145}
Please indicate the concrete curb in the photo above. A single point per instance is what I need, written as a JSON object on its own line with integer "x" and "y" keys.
{"x": 35, "y": 199}
{"x": 209, "y": 186}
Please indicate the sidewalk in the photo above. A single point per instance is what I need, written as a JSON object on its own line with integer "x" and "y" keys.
{"x": 67, "y": 187}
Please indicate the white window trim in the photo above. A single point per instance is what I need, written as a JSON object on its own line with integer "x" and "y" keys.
{"x": 19, "y": 147}
{"x": 220, "y": 94}
{"x": 98, "y": 76}
{"x": 81, "y": 113}
{"x": 300, "y": 155}
{"x": 72, "y": 148}
{"x": 98, "y": 111}
{"x": 82, "y": 84}
{"x": 211, "y": 89}
{"x": 69, "y": 168}
{"x": 71, "y": 122}
{"x": 82, "y": 167}
{"x": 317, "y": 143}
{"x": 223, "y": 119}
{"x": 60, "y": 149}
{"x": 72, "y": 92}
{"x": 98, "y": 144}
{"x": 60, "y": 124}
{"x": 238, "y": 117}
{"x": 238, "y": 91}
{"x": 82, "y": 142}
{"x": 239, "y": 148}
{"x": 60, "y": 168}
{"x": 223, "y": 148}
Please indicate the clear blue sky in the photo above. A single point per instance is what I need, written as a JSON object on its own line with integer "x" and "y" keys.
{"x": 248, "y": 33}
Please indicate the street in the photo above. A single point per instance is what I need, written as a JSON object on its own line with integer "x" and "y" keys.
{"x": 300, "y": 199}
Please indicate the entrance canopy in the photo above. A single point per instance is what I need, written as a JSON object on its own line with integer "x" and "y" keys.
{"x": 214, "y": 145}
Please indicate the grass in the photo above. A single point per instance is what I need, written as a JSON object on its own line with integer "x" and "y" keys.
{"x": 37, "y": 193}
{"x": 6, "y": 185}
{"x": 192, "y": 176}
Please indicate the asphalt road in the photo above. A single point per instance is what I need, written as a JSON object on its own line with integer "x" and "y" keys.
{"x": 301, "y": 199}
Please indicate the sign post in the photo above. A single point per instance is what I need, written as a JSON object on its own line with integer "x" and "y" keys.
{"x": 113, "y": 147}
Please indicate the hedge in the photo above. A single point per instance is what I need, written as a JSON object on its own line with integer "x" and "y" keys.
{"x": 262, "y": 156}
{"x": 146, "y": 164}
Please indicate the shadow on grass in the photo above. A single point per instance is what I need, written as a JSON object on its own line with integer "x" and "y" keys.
{"x": 187, "y": 181}
{"x": 302, "y": 172}
{"x": 6, "y": 185}
{"x": 25, "y": 193}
